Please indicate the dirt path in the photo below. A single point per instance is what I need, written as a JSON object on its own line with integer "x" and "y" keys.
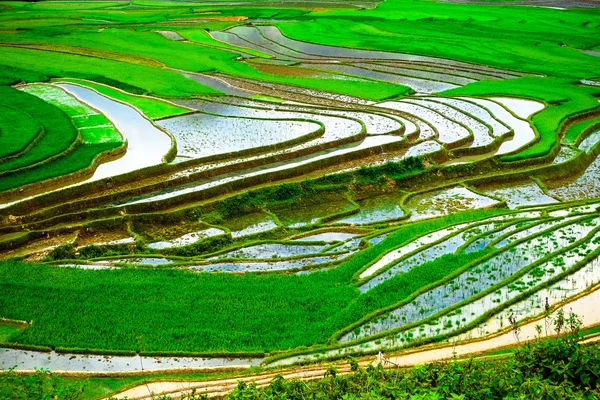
{"x": 582, "y": 306}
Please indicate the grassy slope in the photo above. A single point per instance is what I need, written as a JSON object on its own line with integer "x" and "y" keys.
{"x": 59, "y": 130}
{"x": 60, "y": 134}
{"x": 162, "y": 309}
{"x": 82, "y": 157}
{"x": 17, "y": 131}
{"x": 155, "y": 80}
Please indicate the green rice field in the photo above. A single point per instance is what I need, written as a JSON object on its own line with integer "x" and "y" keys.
{"x": 192, "y": 187}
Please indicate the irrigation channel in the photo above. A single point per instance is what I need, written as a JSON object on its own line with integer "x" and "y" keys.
{"x": 272, "y": 178}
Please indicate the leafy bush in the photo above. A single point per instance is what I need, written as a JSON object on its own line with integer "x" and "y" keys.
{"x": 539, "y": 370}
{"x": 64, "y": 252}
{"x": 42, "y": 385}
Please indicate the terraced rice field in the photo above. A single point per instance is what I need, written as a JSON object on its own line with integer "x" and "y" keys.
{"x": 271, "y": 184}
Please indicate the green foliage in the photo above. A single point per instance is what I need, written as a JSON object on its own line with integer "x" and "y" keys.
{"x": 58, "y": 137}
{"x": 571, "y": 372}
{"x": 288, "y": 310}
{"x": 516, "y": 38}
{"x": 578, "y": 130}
{"x": 151, "y": 79}
{"x": 182, "y": 311}
{"x": 42, "y": 385}
{"x": 134, "y": 45}
{"x": 93, "y": 126}
{"x": 403, "y": 285}
{"x": 93, "y": 251}
{"x": 63, "y": 252}
{"x": 287, "y": 191}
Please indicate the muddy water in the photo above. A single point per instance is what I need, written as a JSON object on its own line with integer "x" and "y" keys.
{"x": 308, "y": 214}
{"x": 327, "y": 237}
{"x": 146, "y": 144}
{"x": 187, "y": 239}
{"x": 448, "y": 131}
{"x": 375, "y": 209}
{"x": 522, "y": 194}
{"x": 417, "y": 84}
{"x": 272, "y": 250}
{"x": 590, "y": 142}
{"x": 172, "y": 35}
{"x": 406, "y": 70}
{"x": 30, "y": 360}
{"x": 481, "y": 133}
{"x": 535, "y": 304}
{"x": 250, "y": 224}
{"x": 498, "y": 128}
{"x": 219, "y": 84}
{"x": 411, "y": 246}
{"x": 267, "y": 266}
{"x": 586, "y": 186}
{"x": 446, "y": 201}
{"x": 427, "y": 254}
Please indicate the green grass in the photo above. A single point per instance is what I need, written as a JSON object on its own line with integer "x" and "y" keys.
{"x": 152, "y": 108}
{"x": 59, "y": 134}
{"x": 17, "y": 131}
{"x": 564, "y": 98}
{"x": 82, "y": 157}
{"x": 93, "y": 126}
{"x": 162, "y": 310}
{"x": 158, "y": 81}
{"x": 7, "y": 332}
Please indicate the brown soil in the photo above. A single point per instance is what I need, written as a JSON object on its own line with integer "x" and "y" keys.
{"x": 38, "y": 249}
{"x": 89, "y": 236}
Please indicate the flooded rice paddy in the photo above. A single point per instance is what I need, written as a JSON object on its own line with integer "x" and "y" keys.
{"x": 25, "y": 360}
{"x": 536, "y": 250}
